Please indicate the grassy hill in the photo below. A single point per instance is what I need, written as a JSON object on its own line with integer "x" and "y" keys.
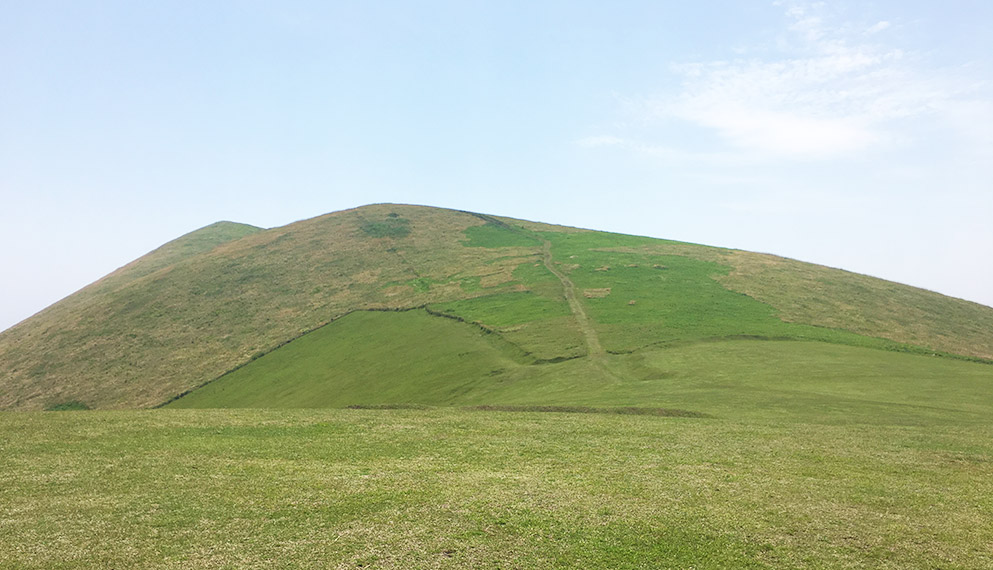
{"x": 393, "y": 304}
{"x": 522, "y": 396}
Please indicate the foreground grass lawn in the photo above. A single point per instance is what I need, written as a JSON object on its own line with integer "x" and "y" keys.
{"x": 451, "y": 488}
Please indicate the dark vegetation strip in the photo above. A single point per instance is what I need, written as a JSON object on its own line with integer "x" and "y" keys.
{"x": 525, "y": 353}
{"x": 687, "y": 342}
{"x": 885, "y": 344}
{"x": 629, "y": 411}
{"x": 621, "y": 411}
{"x": 522, "y": 356}
{"x": 490, "y": 220}
{"x": 70, "y": 406}
{"x": 389, "y": 407}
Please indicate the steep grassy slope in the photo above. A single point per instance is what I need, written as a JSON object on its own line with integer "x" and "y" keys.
{"x": 181, "y": 248}
{"x": 40, "y": 357}
{"x": 419, "y": 358}
{"x": 546, "y": 294}
{"x": 172, "y": 329}
{"x": 807, "y": 293}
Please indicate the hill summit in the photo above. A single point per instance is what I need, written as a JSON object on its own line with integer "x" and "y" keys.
{"x": 395, "y": 304}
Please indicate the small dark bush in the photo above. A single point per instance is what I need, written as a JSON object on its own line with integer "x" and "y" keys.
{"x": 388, "y": 228}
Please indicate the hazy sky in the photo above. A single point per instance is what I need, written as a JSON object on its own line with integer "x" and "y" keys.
{"x": 852, "y": 134}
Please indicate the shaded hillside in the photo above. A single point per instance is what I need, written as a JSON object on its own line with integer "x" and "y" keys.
{"x": 197, "y": 308}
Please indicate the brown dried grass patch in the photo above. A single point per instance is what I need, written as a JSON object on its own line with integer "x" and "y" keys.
{"x": 368, "y": 276}
{"x": 596, "y": 293}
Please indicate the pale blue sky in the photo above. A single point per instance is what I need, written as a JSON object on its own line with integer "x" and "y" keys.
{"x": 853, "y": 134}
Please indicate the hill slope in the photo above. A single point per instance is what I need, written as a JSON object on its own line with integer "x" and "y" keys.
{"x": 528, "y": 300}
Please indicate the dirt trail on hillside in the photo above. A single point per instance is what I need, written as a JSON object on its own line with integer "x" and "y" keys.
{"x": 593, "y": 346}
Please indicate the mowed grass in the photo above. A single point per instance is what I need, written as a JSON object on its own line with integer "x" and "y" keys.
{"x": 412, "y": 357}
{"x": 365, "y": 358}
{"x": 450, "y": 488}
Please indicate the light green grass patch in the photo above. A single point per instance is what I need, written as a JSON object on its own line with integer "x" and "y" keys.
{"x": 366, "y": 358}
{"x": 505, "y": 309}
{"x": 662, "y": 299}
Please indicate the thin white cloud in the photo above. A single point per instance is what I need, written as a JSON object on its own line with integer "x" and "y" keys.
{"x": 597, "y": 141}
{"x": 664, "y": 152}
{"x": 878, "y": 27}
{"x": 829, "y": 100}
{"x": 832, "y": 90}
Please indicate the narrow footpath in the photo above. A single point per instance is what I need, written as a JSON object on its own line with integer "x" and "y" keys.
{"x": 593, "y": 346}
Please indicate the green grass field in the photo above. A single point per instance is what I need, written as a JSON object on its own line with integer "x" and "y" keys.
{"x": 428, "y": 360}
{"x": 451, "y": 488}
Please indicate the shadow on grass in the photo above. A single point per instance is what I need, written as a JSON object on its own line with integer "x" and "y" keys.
{"x": 629, "y": 411}
{"x": 626, "y": 411}
{"x": 70, "y": 406}
{"x": 388, "y": 407}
